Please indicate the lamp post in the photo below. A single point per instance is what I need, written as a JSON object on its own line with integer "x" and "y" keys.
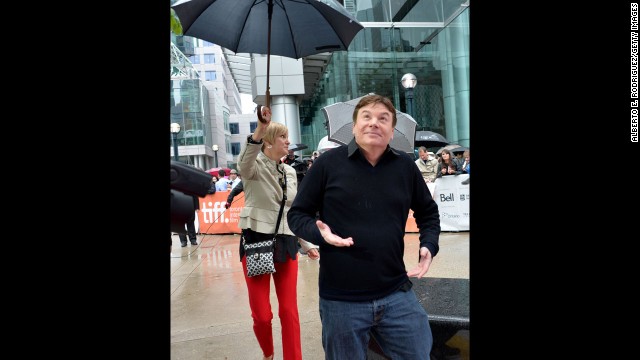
{"x": 215, "y": 151}
{"x": 175, "y": 129}
{"x": 409, "y": 81}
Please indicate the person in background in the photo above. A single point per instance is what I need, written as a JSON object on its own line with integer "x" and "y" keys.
{"x": 466, "y": 166}
{"x": 299, "y": 166}
{"x": 266, "y": 181}
{"x": 363, "y": 285}
{"x": 233, "y": 193}
{"x": 448, "y": 165}
{"x": 467, "y": 162}
{"x": 212, "y": 186}
{"x": 221, "y": 184}
{"x": 458, "y": 158}
{"x": 191, "y": 227}
{"x": 233, "y": 178}
{"x": 427, "y": 164}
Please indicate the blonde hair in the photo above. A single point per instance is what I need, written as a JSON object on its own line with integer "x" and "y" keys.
{"x": 273, "y": 131}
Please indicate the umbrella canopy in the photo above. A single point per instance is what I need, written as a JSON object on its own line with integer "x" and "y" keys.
{"x": 340, "y": 124}
{"x": 215, "y": 170}
{"x": 325, "y": 144}
{"x": 297, "y": 147}
{"x": 430, "y": 139}
{"x": 451, "y": 148}
{"x": 290, "y": 28}
{"x": 459, "y": 149}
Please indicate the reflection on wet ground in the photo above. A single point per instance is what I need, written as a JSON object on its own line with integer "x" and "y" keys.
{"x": 210, "y": 315}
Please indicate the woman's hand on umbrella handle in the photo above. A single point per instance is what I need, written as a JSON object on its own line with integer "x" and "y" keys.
{"x": 264, "y": 114}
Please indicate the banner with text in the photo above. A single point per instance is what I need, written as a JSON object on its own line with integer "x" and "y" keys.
{"x": 213, "y": 218}
{"x": 451, "y": 196}
{"x": 453, "y": 203}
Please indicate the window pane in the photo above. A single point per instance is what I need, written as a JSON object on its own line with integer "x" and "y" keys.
{"x": 210, "y": 75}
{"x": 235, "y": 148}
{"x": 234, "y": 128}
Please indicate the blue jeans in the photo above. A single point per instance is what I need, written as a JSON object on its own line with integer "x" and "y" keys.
{"x": 397, "y": 322}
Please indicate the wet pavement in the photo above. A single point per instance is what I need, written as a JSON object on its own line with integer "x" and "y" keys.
{"x": 210, "y": 315}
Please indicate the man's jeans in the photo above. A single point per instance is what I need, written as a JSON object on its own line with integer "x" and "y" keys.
{"x": 397, "y": 322}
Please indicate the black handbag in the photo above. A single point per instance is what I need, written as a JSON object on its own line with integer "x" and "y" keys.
{"x": 259, "y": 255}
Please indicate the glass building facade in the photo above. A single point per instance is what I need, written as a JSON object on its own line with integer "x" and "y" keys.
{"x": 427, "y": 38}
{"x": 190, "y": 109}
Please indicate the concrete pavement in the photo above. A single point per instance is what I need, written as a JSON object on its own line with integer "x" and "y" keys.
{"x": 210, "y": 315}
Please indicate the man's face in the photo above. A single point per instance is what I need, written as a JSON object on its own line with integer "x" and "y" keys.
{"x": 423, "y": 154}
{"x": 374, "y": 126}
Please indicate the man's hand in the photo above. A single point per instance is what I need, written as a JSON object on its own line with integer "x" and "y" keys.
{"x": 331, "y": 238}
{"x": 227, "y": 205}
{"x": 423, "y": 265}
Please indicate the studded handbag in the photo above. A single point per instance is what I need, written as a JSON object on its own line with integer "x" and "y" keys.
{"x": 259, "y": 255}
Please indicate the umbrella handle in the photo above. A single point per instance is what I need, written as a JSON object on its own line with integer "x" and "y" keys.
{"x": 259, "y": 110}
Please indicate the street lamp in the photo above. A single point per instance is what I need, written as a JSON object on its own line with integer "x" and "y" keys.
{"x": 175, "y": 129}
{"x": 409, "y": 81}
{"x": 215, "y": 151}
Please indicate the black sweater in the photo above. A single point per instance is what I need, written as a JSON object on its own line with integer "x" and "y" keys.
{"x": 370, "y": 204}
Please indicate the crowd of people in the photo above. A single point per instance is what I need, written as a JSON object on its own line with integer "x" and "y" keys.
{"x": 446, "y": 162}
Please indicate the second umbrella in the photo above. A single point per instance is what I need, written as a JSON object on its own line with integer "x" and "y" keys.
{"x": 340, "y": 125}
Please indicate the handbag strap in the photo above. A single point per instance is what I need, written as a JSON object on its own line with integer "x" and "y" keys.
{"x": 284, "y": 198}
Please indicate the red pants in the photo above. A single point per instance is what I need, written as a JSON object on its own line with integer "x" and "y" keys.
{"x": 286, "y": 281}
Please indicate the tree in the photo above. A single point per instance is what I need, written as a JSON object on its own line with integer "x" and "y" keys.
{"x": 176, "y": 27}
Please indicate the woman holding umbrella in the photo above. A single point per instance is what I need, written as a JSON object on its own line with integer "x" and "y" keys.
{"x": 267, "y": 181}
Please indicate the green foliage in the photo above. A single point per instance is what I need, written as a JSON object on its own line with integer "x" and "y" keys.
{"x": 176, "y": 27}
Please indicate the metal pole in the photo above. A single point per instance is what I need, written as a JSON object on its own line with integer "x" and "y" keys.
{"x": 216, "y": 157}
{"x": 410, "y": 102}
{"x": 175, "y": 146}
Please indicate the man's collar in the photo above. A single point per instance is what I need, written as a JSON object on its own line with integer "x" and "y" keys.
{"x": 353, "y": 146}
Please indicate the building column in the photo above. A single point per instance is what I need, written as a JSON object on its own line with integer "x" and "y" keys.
{"x": 285, "y": 109}
{"x": 286, "y": 80}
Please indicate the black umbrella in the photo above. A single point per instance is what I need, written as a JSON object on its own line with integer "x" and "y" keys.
{"x": 340, "y": 124}
{"x": 300, "y": 27}
{"x": 297, "y": 147}
{"x": 430, "y": 139}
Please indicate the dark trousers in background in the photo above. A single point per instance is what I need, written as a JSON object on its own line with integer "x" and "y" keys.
{"x": 191, "y": 231}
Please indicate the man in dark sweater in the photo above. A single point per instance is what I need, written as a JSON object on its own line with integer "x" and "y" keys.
{"x": 363, "y": 284}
